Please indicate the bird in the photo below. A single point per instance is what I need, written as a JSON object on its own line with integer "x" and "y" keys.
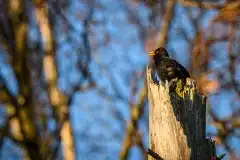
{"x": 166, "y": 67}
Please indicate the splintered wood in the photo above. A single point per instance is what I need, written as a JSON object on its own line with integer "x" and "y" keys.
{"x": 177, "y": 121}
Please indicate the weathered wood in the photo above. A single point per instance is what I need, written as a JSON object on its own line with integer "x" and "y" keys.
{"x": 177, "y": 122}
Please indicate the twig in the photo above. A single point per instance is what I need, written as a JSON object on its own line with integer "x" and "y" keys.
{"x": 166, "y": 22}
{"x": 206, "y": 5}
{"x": 136, "y": 112}
{"x": 154, "y": 155}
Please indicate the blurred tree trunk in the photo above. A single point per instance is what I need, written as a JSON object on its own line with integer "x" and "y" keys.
{"x": 57, "y": 100}
{"x": 23, "y": 103}
{"x": 25, "y": 123}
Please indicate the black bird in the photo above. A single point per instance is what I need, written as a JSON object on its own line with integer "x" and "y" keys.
{"x": 166, "y": 67}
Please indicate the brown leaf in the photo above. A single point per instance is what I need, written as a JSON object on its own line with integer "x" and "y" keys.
{"x": 230, "y": 13}
{"x": 206, "y": 86}
{"x": 199, "y": 55}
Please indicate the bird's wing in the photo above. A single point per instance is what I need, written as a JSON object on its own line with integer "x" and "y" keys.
{"x": 183, "y": 70}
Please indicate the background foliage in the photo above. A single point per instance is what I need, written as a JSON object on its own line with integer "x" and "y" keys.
{"x": 72, "y": 73}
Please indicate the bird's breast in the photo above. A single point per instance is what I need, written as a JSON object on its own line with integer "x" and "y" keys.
{"x": 167, "y": 71}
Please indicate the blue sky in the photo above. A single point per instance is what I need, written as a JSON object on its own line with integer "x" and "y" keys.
{"x": 99, "y": 122}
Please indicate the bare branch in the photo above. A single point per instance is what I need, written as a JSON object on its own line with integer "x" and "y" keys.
{"x": 206, "y": 5}
{"x": 166, "y": 22}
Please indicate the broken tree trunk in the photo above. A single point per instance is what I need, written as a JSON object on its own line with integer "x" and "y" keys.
{"x": 177, "y": 122}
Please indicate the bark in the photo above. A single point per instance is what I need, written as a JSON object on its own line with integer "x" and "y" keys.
{"x": 177, "y": 122}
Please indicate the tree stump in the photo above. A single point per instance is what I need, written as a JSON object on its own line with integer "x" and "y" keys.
{"x": 177, "y": 122}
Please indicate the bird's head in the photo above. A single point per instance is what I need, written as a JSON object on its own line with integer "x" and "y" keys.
{"x": 159, "y": 52}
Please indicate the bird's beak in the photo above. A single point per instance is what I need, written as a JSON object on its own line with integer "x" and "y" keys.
{"x": 151, "y": 53}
